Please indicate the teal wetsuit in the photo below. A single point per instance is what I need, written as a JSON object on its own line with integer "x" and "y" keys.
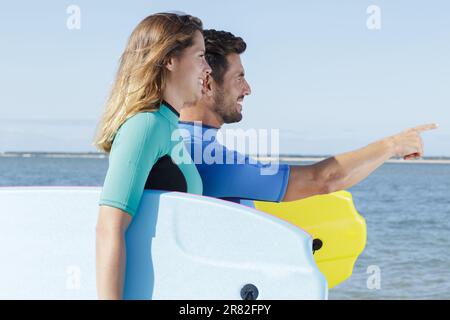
{"x": 148, "y": 153}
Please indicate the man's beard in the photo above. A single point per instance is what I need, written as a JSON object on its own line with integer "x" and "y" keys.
{"x": 226, "y": 109}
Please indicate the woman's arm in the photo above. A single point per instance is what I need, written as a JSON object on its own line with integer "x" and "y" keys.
{"x": 110, "y": 252}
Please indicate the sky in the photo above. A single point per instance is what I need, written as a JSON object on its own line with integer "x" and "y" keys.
{"x": 331, "y": 76}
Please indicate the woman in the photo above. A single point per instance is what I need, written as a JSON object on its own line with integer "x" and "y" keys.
{"x": 161, "y": 71}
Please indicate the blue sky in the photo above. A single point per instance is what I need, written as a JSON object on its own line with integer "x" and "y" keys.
{"x": 317, "y": 72}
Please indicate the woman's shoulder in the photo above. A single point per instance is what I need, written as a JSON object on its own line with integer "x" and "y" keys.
{"x": 144, "y": 121}
{"x": 143, "y": 118}
{"x": 146, "y": 127}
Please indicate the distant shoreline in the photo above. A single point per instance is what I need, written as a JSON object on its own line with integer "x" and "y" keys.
{"x": 281, "y": 158}
{"x": 430, "y": 160}
{"x": 96, "y": 155}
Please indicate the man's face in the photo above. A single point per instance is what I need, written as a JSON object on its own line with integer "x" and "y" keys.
{"x": 229, "y": 96}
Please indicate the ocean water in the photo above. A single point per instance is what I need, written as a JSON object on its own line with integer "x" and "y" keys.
{"x": 406, "y": 207}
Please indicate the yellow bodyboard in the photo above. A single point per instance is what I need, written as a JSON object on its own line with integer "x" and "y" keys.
{"x": 338, "y": 230}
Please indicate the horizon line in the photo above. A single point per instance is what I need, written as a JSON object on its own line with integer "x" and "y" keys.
{"x": 96, "y": 154}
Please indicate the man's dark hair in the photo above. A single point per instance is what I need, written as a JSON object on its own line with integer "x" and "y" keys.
{"x": 219, "y": 44}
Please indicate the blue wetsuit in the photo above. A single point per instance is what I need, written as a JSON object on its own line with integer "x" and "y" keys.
{"x": 228, "y": 174}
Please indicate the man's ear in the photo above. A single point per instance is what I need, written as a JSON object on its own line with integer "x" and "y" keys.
{"x": 208, "y": 86}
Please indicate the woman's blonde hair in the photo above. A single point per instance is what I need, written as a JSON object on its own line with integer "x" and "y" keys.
{"x": 141, "y": 78}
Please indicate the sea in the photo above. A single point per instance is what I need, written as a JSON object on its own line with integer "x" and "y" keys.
{"x": 406, "y": 207}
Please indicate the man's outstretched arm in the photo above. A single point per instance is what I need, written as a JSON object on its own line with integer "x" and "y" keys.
{"x": 345, "y": 170}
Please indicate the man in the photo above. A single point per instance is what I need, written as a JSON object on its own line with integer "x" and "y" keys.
{"x": 224, "y": 93}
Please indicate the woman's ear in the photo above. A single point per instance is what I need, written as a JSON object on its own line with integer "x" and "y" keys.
{"x": 171, "y": 64}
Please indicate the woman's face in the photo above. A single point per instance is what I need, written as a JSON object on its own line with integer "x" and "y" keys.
{"x": 189, "y": 71}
